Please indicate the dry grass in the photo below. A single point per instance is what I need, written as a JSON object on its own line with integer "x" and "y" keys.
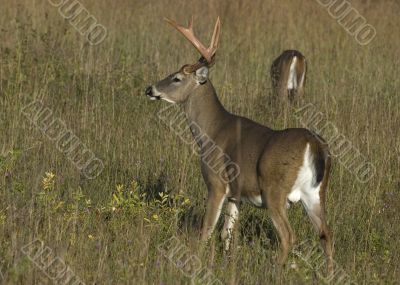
{"x": 98, "y": 92}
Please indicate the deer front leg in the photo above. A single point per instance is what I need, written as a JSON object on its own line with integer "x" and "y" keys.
{"x": 230, "y": 219}
{"x": 215, "y": 202}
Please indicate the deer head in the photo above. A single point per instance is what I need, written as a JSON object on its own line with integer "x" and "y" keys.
{"x": 177, "y": 87}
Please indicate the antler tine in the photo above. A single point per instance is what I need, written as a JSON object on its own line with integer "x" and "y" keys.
{"x": 191, "y": 24}
{"x": 215, "y": 37}
{"x": 188, "y": 33}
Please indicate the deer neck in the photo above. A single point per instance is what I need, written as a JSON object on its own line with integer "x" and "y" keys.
{"x": 204, "y": 110}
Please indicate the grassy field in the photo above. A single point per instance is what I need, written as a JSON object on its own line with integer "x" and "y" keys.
{"x": 113, "y": 229}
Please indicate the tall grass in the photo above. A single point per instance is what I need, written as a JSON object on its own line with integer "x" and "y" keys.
{"x": 98, "y": 92}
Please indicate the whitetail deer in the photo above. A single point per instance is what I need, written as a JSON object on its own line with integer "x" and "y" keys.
{"x": 276, "y": 167}
{"x": 288, "y": 75}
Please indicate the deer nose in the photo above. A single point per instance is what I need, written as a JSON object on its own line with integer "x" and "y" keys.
{"x": 149, "y": 91}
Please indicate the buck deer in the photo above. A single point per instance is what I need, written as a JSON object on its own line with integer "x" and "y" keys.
{"x": 276, "y": 166}
{"x": 288, "y": 74}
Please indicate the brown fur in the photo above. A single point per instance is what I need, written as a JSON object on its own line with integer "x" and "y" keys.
{"x": 280, "y": 74}
{"x": 269, "y": 160}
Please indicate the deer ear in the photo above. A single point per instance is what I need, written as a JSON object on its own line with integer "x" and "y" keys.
{"x": 202, "y": 75}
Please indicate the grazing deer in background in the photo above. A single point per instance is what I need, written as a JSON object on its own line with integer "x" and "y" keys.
{"x": 276, "y": 166}
{"x": 288, "y": 75}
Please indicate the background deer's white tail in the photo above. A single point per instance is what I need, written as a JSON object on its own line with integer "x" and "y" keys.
{"x": 292, "y": 80}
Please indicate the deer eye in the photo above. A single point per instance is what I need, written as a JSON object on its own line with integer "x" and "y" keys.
{"x": 176, "y": 79}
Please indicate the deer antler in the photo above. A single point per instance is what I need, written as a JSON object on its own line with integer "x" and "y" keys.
{"x": 207, "y": 53}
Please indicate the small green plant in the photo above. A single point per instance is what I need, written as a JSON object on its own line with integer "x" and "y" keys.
{"x": 48, "y": 195}
{"x": 8, "y": 160}
{"x": 127, "y": 199}
{"x": 160, "y": 210}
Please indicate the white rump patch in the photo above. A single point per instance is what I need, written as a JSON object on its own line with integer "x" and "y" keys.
{"x": 303, "y": 188}
{"x": 292, "y": 80}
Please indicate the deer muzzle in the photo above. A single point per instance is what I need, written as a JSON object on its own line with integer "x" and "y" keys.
{"x": 150, "y": 93}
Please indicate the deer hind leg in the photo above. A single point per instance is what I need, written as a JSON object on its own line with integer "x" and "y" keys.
{"x": 315, "y": 210}
{"x": 286, "y": 236}
{"x": 285, "y": 232}
{"x": 291, "y": 94}
{"x": 283, "y": 92}
{"x": 276, "y": 204}
{"x": 300, "y": 91}
{"x": 230, "y": 219}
